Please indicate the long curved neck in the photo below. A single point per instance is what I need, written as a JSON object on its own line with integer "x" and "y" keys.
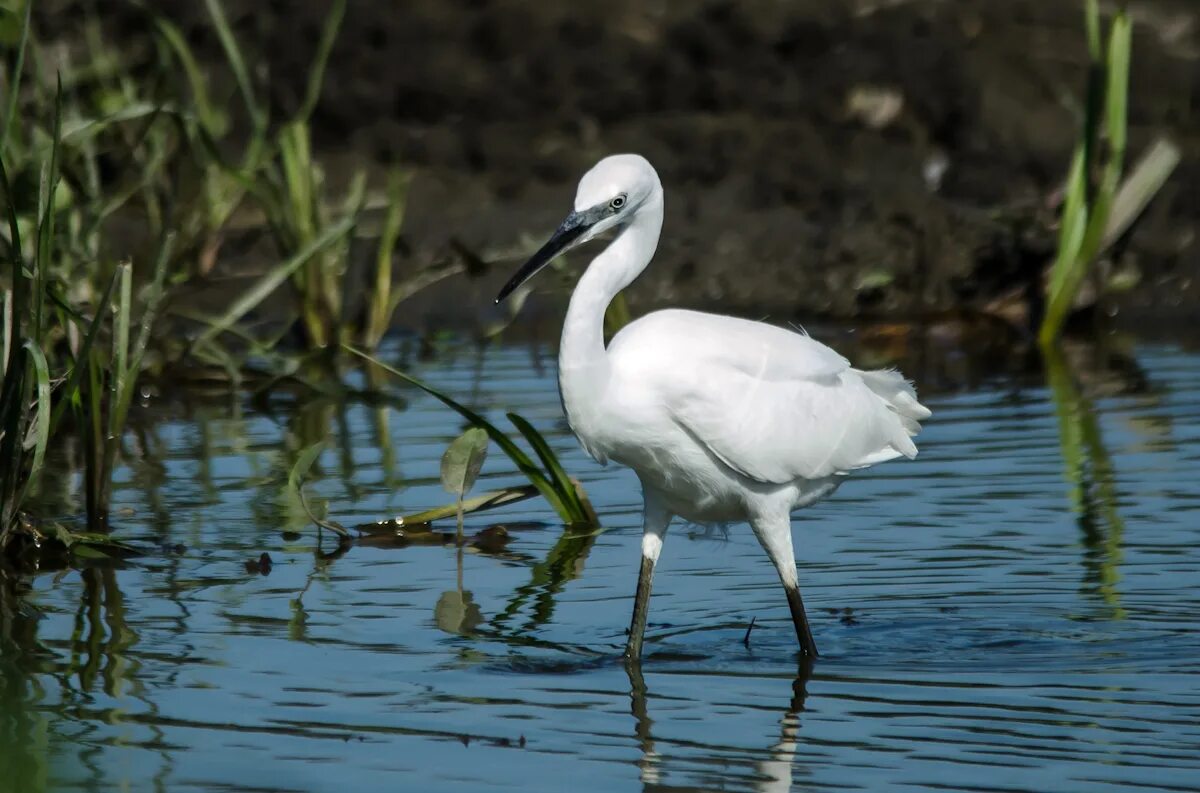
{"x": 582, "y": 360}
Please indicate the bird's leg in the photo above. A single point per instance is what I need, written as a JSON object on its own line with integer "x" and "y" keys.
{"x": 655, "y": 521}
{"x": 641, "y": 607}
{"x": 775, "y": 535}
{"x": 807, "y": 645}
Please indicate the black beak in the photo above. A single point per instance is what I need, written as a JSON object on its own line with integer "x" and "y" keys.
{"x": 574, "y": 227}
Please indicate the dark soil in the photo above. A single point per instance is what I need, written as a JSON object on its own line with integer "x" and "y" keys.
{"x": 784, "y": 194}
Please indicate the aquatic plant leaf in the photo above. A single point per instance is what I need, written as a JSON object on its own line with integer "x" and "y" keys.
{"x": 462, "y": 461}
{"x": 1086, "y": 218}
{"x": 485, "y": 501}
{"x": 526, "y": 466}
{"x": 558, "y": 475}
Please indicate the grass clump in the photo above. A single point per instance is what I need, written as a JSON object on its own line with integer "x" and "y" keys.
{"x": 1098, "y": 207}
{"x": 66, "y": 366}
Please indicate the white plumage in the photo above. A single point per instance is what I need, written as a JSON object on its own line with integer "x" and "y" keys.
{"x": 722, "y": 418}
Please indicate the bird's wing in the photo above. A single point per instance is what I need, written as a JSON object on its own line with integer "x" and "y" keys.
{"x": 774, "y": 405}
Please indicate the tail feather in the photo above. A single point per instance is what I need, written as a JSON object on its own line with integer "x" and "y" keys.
{"x": 900, "y": 397}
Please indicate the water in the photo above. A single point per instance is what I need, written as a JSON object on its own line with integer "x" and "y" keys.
{"x": 1018, "y": 609}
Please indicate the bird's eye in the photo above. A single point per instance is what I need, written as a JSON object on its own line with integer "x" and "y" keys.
{"x": 617, "y": 202}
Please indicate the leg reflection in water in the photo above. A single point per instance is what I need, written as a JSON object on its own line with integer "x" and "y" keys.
{"x": 773, "y": 774}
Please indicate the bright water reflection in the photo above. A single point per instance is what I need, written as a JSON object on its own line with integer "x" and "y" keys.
{"x": 1015, "y": 610}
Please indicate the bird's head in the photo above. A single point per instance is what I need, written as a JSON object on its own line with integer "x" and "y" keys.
{"x": 610, "y": 196}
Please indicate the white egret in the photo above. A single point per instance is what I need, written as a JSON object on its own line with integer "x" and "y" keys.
{"x": 722, "y": 419}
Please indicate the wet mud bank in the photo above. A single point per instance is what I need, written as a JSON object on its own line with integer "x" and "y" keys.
{"x": 820, "y": 157}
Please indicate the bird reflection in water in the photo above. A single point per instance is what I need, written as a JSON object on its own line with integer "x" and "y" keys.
{"x": 773, "y": 774}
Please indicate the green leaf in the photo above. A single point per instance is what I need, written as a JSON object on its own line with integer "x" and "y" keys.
{"x": 316, "y": 75}
{"x": 462, "y": 461}
{"x": 213, "y": 120}
{"x": 14, "y": 80}
{"x": 558, "y": 475}
{"x": 237, "y": 63}
{"x": 498, "y": 498}
{"x": 41, "y": 425}
{"x": 381, "y": 308}
{"x": 70, "y": 388}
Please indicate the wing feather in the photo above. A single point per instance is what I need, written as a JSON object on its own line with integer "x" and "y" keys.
{"x": 771, "y": 404}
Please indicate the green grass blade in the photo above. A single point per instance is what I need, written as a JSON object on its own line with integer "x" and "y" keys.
{"x": 214, "y": 123}
{"x": 558, "y": 475}
{"x": 273, "y": 279}
{"x": 237, "y": 63}
{"x": 1072, "y": 225}
{"x": 1091, "y": 23}
{"x": 7, "y": 330}
{"x": 45, "y": 240}
{"x": 119, "y": 409}
{"x": 316, "y": 75}
{"x": 79, "y": 367}
{"x": 14, "y": 87}
{"x": 14, "y": 405}
{"x": 378, "y": 316}
{"x": 41, "y": 422}
{"x": 1072, "y": 263}
{"x": 1094, "y": 97}
{"x": 1116, "y": 94}
{"x": 119, "y": 380}
{"x": 120, "y": 341}
{"x": 153, "y": 301}
{"x": 79, "y": 130}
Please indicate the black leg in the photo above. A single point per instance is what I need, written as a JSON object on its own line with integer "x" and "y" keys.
{"x": 800, "y": 620}
{"x": 641, "y": 606}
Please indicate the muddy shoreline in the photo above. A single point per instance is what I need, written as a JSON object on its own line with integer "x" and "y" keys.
{"x": 820, "y": 158}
